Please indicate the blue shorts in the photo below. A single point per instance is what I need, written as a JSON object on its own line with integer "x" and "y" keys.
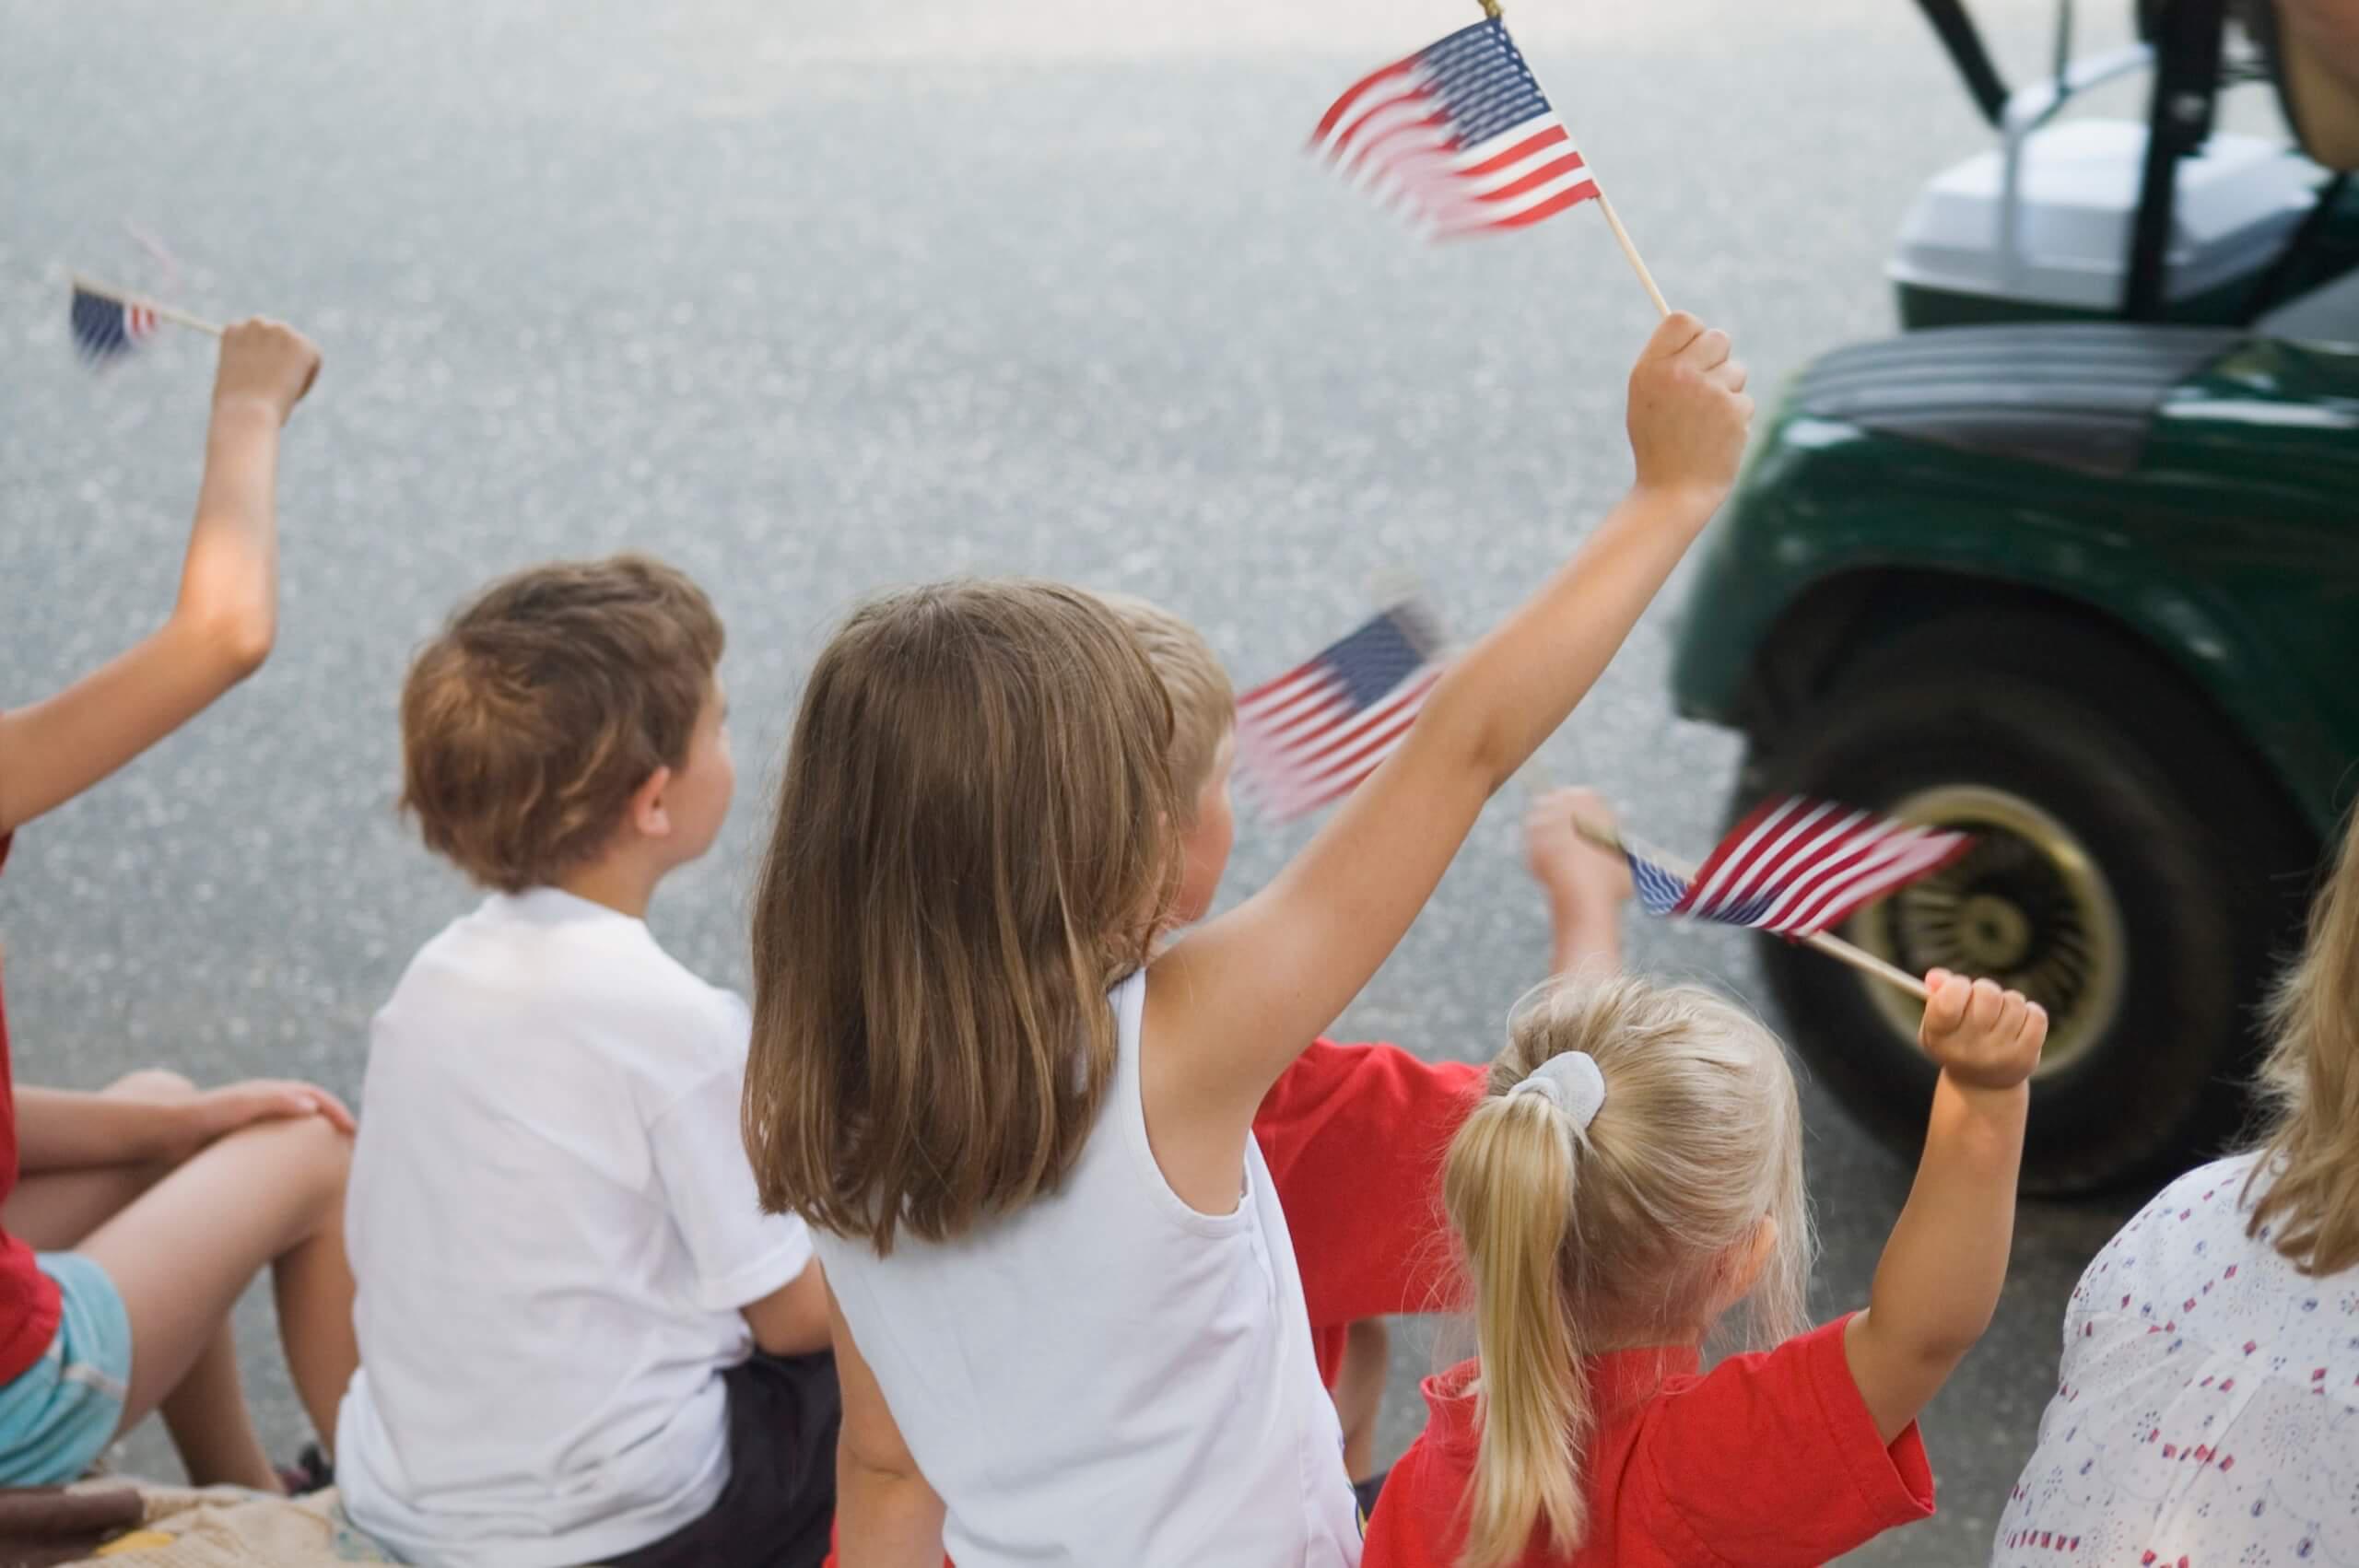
{"x": 60, "y": 1415}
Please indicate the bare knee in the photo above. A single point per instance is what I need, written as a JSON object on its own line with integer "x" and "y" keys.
{"x": 152, "y": 1083}
{"x": 309, "y": 1157}
{"x": 321, "y": 1156}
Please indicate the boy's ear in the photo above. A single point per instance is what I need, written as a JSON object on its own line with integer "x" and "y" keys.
{"x": 648, "y": 815}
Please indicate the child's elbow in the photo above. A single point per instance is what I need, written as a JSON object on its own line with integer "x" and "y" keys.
{"x": 1945, "y": 1345}
{"x": 236, "y": 639}
{"x": 246, "y": 646}
{"x": 886, "y": 1469}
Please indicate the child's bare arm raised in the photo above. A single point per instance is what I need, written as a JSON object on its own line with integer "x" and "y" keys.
{"x": 221, "y": 626}
{"x": 1938, "y": 1279}
{"x": 1231, "y": 1005}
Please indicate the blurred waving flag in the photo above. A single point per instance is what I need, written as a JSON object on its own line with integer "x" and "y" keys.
{"x": 106, "y": 328}
{"x": 1460, "y": 135}
{"x": 1795, "y": 868}
{"x": 1307, "y": 737}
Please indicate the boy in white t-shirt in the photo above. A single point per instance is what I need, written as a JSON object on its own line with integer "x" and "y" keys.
{"x": 580, "y": 1339}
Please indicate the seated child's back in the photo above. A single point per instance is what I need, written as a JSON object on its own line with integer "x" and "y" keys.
{"x": 553, "y": 1221}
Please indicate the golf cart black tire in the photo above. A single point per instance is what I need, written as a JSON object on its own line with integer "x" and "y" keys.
{"x": 2205, "y": 860}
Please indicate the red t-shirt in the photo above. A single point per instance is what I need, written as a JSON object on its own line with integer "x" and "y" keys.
{"x": 28, "y": 1304}
{"x": 1766, "y": 1460}
{"x": 1353, "y": 1136}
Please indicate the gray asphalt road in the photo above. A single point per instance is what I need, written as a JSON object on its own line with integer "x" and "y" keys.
{"x": 810, "y": 300}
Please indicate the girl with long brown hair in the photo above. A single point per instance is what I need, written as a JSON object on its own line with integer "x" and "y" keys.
{"x": 1068, "y": 1320}
{"x": 1632, "y": 1179}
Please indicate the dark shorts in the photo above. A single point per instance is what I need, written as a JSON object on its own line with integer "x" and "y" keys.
{"x": 781, "y": 1498}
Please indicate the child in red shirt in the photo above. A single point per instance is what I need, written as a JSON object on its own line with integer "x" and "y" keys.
{"x": 1632, "y": 1174}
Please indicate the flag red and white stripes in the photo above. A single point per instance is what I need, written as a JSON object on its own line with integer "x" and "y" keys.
{"x": 1308, "y": 736}
{"x": 1460, "y": 136}
{"x": 1797, "y": 867}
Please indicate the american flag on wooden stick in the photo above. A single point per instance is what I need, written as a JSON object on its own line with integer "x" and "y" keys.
{"x": 105, "y": 328}
{"x": 1307, "y": 737}
{"x": 1795, "y": 868}
{"x": 1460, "y": 134}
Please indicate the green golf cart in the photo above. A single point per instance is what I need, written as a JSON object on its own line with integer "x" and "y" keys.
{"x": 2083, "y": 580}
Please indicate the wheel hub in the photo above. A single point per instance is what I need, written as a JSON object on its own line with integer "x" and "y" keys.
{"x": 2027, "y": 907}
{"x": 1993, "y": 934}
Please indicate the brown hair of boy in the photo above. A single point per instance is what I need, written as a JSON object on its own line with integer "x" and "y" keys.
{"x": 2310, "y": 1089}
{"x": 976, "y": 836}
{"x": 547, "y": 700}
{"x": 1203, "y": 703}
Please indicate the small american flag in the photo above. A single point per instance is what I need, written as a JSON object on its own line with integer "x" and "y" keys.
{"x": 105, "y": 328}
{"x": 1460, "y": 134}
{"x": 1307, "y": 737}
{"x": 1795, "y": 868}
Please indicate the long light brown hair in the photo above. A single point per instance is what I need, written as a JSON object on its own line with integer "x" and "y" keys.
{"x": 2310, "y": 1088}
{"x": 976, "y": 836}
{"x": 1621, "y": 1235}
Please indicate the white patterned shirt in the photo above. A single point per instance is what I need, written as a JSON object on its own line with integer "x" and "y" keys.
{"x": 2207, "y": 1411}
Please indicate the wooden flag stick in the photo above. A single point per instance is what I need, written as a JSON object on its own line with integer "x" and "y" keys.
{"x": 1622, "y": 236}
{"x": 161, "y": 312}
{"x": 1834, "y": 947}
{"x": 1867, "y": 963}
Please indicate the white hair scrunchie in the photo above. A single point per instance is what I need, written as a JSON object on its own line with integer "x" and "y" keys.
{"x": 1571, "y": 1082}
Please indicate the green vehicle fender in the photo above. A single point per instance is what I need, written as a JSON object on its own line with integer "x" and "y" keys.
{"x": 2226, "y": 549}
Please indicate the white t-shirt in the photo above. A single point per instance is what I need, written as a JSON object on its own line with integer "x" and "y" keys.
{"x": 2207, "y": 1411}
{"x": 1107, "y": 1376}
{"x": 553, "y": 1224}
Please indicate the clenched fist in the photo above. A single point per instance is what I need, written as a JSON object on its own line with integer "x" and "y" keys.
{"x": 1982, "y": 1035}
{"x": 1689, "y": 414}
{"x": 265, "y": 362}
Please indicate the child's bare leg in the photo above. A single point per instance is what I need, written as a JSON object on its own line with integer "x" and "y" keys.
{"x": 181, "y": 1254}
{"x": 211, "y": 1427}
{"x": 1359, "y": 1392}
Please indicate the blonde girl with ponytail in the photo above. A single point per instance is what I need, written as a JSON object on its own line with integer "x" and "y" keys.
{"x": 1632, "y": 1181}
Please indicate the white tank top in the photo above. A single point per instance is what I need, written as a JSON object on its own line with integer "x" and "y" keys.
{"x": 1108, "y": 1376}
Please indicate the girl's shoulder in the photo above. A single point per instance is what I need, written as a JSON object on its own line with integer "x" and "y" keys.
{"x": 2210, "y": 1197}
{"x": 2196, "y": 1226}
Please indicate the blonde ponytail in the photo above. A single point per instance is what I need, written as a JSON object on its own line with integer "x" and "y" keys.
{"x": 1508, "y": 1186}
{"x": 1580, "y": 1239}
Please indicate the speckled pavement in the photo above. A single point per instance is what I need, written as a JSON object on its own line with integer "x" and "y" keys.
{"x": 810, "y": 299}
